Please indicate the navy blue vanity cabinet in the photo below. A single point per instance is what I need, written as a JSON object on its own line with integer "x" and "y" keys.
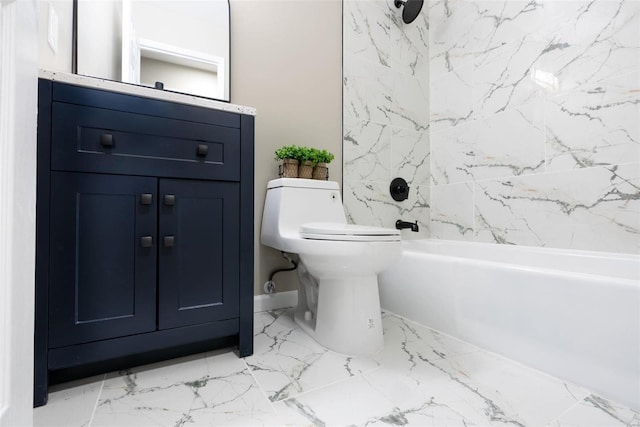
{"x": 103, "y": 260}
{"x": 198, "y": 266}
{"x": 144, "y": 228}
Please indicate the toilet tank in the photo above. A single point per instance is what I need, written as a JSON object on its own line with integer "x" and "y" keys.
{"x": 291, "y": 202}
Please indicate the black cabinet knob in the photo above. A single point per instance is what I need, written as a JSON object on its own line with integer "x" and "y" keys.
{"x": 106, "y": 140}
{"x": 146, "y": 241}
{"x": 169, "y": 199}
{"x": 168, "y": 241}
{"x": 146, "y": 198}
{"x": 202, "y": 150}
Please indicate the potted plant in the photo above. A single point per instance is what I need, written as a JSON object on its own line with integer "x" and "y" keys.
{"x": 303, "y": 162}
{"x": 321, "y": 159}
{"x": 289, "y": 155}
{"x": 306, "y": 157}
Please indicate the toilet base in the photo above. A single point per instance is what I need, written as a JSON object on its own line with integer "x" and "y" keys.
{"x": 348, "y": 318}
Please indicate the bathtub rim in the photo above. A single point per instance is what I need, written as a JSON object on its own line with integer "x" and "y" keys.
{"x": 420, "y": 246}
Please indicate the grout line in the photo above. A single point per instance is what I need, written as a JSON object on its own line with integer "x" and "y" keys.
{"x": 341, "y": 380}
{"x": 264, "y": 394}
{"x": 545, "y": 133}
{"x": 474, "y": 200}
{"x": 569, "y": 409}
{"x": 95, "y": 406}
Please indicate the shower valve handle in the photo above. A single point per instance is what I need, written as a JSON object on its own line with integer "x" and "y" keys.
{"x": 399, "y": 189}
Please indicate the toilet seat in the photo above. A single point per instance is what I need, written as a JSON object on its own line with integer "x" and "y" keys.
{"x": 347, "y": 232}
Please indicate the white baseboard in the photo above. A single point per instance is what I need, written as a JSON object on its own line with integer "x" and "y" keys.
{"x": 275, "y": 301}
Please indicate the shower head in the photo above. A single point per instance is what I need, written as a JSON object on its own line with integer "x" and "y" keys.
{"x": 411, "y": 9}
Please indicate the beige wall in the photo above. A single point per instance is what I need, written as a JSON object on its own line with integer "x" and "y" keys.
{"x": 286, "y": 61}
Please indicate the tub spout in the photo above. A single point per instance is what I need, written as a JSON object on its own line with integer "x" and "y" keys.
{"x": 400, "y": 225}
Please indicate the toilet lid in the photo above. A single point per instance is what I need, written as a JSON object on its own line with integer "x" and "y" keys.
{"x": 349, "y": 232}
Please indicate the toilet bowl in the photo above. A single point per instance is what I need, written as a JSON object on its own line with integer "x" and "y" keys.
{"x": 338, "y": 302}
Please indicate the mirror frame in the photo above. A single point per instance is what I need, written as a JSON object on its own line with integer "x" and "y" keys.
{"x": 74, "y": 55}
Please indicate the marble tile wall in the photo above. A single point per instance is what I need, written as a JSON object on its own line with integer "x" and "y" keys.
{"x": 523, "y": 114}
{"x": 386, "y": 114}
{"x": 535, "y": 122}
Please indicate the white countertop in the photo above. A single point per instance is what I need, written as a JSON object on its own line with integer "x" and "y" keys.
{"x": 132, "y": 89}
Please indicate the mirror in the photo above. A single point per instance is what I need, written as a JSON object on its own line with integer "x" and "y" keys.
{"x": 182, "y": 44}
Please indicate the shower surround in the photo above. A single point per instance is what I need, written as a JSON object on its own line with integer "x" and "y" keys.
{"x": 535, "y": 123}
{"x": 386, "y": 114}
{"x": 514, "y": 122}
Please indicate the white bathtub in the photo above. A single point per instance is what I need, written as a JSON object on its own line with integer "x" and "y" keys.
{"x": 572, "y": 314}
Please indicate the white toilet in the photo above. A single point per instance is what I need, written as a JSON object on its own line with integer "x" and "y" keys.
{"x": 338, "y": 301}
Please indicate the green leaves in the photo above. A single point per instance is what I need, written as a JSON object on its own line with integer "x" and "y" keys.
{"x": 287, "y": 152}
{"x": 304, "y": 154}
{"x": 322, "y": 156}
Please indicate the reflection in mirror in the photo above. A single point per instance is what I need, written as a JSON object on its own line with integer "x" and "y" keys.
{"x": 182, "y": 44}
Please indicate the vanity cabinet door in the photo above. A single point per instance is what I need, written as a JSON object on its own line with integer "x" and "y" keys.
{"x": 199, "y": 232}
{"x": 102, "y": 257}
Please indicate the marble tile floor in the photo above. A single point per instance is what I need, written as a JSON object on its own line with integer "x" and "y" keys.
{"x": 421, "y": 378}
